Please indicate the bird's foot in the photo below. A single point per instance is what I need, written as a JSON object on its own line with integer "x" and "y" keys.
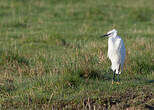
{"x": 112, "y": 82}
{"x": 118, "y": 83}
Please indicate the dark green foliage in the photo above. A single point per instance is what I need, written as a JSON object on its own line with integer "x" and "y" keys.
{"x": 13, "y": 58}
{"x": 142, "y": 14}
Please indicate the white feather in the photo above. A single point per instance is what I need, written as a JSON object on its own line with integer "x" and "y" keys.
{"x": 116, "y": 51}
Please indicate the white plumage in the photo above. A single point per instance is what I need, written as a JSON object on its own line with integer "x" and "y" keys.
{"x": 116, "y": 51}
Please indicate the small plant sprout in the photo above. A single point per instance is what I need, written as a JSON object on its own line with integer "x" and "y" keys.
{"x": 116, "y": 53}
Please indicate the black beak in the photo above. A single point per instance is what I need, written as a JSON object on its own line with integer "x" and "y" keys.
{"x": 105, "y": 35}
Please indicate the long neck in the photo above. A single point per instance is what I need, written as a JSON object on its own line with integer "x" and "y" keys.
{"x": 114, "y": 35}
{"x": 113, "y": 38}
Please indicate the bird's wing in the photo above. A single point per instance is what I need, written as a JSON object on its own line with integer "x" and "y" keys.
{"x": 121, "y": 51}
{"x": 118, "y": 45}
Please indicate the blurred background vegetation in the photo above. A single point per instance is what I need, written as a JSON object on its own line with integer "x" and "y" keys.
{"x": 51, "y": 55}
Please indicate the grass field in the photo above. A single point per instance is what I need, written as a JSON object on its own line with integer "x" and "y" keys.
{"x": 52, "y": 57}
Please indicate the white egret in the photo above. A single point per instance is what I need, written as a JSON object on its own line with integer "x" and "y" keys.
{"x": 116, "y": 53}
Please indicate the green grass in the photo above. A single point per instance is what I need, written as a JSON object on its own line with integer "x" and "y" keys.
{"x": 51, "y": 55}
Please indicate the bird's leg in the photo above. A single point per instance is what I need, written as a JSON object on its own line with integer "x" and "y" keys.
{"x": 118, "y": 79}
{"x": 113, "y": 77}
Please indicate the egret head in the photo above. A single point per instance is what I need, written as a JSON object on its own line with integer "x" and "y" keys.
{"x": 111, "y": 33}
